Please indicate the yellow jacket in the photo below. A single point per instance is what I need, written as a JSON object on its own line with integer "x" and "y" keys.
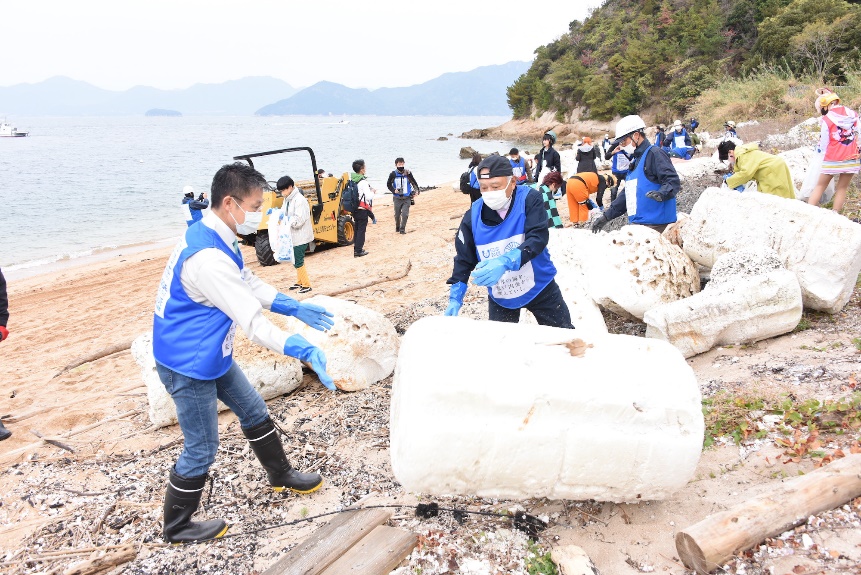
{"x": 770, "y": 172}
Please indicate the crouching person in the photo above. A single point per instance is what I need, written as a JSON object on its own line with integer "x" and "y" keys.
{"x": 205, "y": 292}
{"x": 502, "y": 245}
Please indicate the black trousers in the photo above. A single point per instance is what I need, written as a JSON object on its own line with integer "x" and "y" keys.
{"x": 360, "y": 217}
{"x": 548, "y": 307}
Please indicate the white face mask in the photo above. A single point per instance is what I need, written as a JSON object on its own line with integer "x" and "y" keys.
{"x": 251, "y": 223}
{"x": 497, "y": 199}
{"x": 629, "y": 149}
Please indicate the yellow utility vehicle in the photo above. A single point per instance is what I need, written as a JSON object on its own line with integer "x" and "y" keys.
{"x": 332, "y": 224}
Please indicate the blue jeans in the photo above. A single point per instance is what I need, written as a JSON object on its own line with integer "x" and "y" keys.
{"x": 195, "y": 401}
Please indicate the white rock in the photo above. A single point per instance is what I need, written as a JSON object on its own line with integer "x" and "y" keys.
{"x": 673, "y": 232}
{"x": 634, "y": 269}
{"x": 361, "y": 348}
{"x": 822, "y": 248}
{"x": 572, "y": 560}
{"x": 697, "y": 167}
{"x": 750, "y": 297}
{"x": 568, "y": 248}
{"x": 492, "y": 409}
{"x": 268, "y": 378}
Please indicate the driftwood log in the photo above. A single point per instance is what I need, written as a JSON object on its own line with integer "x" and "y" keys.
{"x": 708, "y": 544}
{"x": 8, "y": 454}
{"x": 110, "y": 559}
{"x": 53, "y": 442}
{"x": 370, "y": 283}
{"x": 99, "y": 354}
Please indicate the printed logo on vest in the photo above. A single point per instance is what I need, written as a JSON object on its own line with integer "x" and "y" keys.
{"x": 227, "y": 345}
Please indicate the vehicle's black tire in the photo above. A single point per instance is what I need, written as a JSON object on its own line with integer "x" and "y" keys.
{"x": 248, "y": 240}
{"x": 264, "y": 250}
{"x": 346, "y": 230}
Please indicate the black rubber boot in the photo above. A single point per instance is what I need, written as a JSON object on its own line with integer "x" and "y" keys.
{"x": 4, "y": 433}
{"x": 267, "y": 446}
{"x": 180, "y": 502}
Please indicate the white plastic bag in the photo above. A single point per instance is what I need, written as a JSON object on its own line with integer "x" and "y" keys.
{"x": 280, "y": 239}
{"x": 812, "y": 177}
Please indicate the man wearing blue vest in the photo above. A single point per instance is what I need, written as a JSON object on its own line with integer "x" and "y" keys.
{"x": 649, "y": 195}
{"x": 403, "y": 186}
{"x": 518, "y": 166}
{"x": 205, "y": 292}
{"x": 502, "y": 245}
{"x": 681, "y": 145}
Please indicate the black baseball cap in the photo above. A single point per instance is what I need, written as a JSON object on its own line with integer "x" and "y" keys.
{"x": 497, "y": 166}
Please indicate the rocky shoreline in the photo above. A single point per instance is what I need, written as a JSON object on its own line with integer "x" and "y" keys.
{"x": 530, "y": 131}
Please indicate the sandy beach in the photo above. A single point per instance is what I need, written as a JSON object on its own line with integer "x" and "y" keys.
{"x": 61, "y": 316}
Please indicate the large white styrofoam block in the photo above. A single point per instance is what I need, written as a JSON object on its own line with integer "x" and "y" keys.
{"x": 499, "y": 410}
{"x": 634, "y": 269}
{"x": 269, "y": 378}
{"x": 750, "y": 297}
{"x": 568, "y": 248}
{"x": 821, "y": 247}
{"x": 361, "y": 348}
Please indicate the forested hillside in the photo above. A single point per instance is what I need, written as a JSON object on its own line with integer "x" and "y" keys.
{"x": 635, "y": 55}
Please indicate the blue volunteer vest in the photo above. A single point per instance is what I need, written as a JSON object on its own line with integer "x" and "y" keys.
{"x": 519, "y": 169}
{"x": 190, "y": 338}
{"x": 678, "y": 139}
{"x": 401, "y": 183}
{"x": 514, "y": 289}
{"x": 621, "y": 162}
{"x": 643, "y": 210}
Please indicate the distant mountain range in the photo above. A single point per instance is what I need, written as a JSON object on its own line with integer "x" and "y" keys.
{"x": 479, "y": 92}
{"x": 61, "y": 96}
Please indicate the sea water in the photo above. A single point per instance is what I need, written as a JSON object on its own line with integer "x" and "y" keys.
{"x": 80, "y": 185}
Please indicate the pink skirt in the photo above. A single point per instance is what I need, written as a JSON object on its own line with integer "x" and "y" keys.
{"x": 841, "y": 167}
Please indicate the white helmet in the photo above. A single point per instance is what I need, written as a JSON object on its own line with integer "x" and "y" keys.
{"x": 188, "y": 190}
{"x": 730, "y": 124}
{"x": 629, "y": 125}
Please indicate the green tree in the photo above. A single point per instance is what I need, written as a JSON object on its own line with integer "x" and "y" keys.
{"x": 820, "y": 42}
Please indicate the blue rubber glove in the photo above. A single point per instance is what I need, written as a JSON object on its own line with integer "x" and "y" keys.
{"x": 655, "y": 195}
{"x": 313, "y": 315}
{"x": 455, "y": 298}
{"x": 300, "y": 348}
{"x": 488, "y": 272}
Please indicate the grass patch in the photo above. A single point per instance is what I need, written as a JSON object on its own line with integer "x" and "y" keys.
{"x": 728, "y": 415}
{"x": 769, "y": 93}
{"x": 538, "y": 561}
{"x": 856, "y": 341}
{"x": 736, "y": 416}
{"x": 803, "y": 325}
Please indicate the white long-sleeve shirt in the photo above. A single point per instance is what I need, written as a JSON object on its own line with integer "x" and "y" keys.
{"x": 211, "y": 278}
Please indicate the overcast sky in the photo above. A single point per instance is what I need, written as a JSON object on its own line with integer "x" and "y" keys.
{"x": 117, "y": 44}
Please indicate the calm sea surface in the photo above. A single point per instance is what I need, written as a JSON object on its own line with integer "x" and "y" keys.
{"x": 80, "y": 185}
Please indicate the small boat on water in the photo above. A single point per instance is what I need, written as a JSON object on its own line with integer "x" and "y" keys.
{"x": 10, "y": 131}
